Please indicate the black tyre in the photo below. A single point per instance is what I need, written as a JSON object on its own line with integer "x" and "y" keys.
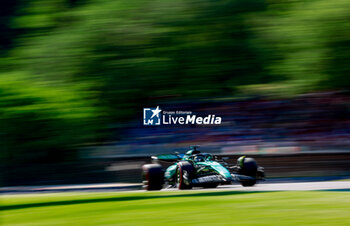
{"x": 153, "y": 177}
{"x": 248, "y": 183}
{"x": 211, "y": 185}
{"x": 185, "y": 173}
{"x": 250, "y": 168}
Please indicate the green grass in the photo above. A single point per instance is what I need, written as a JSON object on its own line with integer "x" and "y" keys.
{"x": 170, "y": 208}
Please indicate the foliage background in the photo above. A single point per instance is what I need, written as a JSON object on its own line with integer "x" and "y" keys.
{"x": 73, "y": 72}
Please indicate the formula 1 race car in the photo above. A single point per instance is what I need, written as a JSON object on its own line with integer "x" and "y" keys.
{"x": 196, "y": 169}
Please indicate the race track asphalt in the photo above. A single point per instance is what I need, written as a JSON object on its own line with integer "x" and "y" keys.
{"x": 295, "y": 186}
{"x": 122, "y": 187}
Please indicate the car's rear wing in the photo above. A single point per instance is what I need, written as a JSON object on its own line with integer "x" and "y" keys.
{"x": 168, "y": 157}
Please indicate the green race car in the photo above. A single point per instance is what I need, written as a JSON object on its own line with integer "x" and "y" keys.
{"x": 196, "y": 169}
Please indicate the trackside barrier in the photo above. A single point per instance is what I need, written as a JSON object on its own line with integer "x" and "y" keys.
{"x": 128, "y": 168}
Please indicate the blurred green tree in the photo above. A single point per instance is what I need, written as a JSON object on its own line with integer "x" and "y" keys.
{"x": 128, "y": 52}
{"x": 309, "y": 41}
{"x": 78, "y": 67}
{"x": 43, "y": 124}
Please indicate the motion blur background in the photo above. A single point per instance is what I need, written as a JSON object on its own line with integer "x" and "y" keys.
{"x": 76, "y": 74}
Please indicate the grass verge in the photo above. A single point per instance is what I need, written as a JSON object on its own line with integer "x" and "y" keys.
{"x": 170, "y": 208}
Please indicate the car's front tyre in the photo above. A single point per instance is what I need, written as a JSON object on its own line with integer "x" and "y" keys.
{"x": 250, "y": 168}
{"x": 248, "y": 183}
{"x": 184, "y": 175}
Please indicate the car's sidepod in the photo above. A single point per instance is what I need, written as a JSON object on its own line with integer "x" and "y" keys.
{"x": 217, "y": 167}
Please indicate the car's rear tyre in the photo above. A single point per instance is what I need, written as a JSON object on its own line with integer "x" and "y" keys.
{"x": 184, "y": 175}
{"x": 211, "y": 185}
{"x": 250, "y": 168}
{"x": 153, "y": 177}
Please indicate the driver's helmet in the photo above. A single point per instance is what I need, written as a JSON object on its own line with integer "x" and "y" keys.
{"x": 240, "y": 161}
{"x": 193, "y": 151}
{"x": 209, "y": 157}
{"x": 199, "y": 158}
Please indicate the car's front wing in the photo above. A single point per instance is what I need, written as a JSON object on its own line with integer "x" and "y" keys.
{"x": 208, "y": 179}
{"x": 220, "y": 179}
